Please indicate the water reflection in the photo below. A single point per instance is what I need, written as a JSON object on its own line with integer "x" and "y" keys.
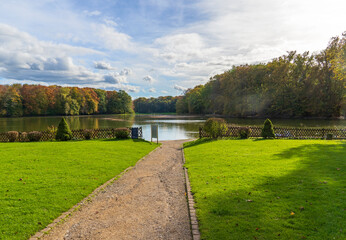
{"x": 170, "y": 126}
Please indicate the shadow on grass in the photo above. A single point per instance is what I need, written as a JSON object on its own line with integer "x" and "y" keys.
{"x": 118, "y": 139}
{"x": 262, "y": 139}
{"x": 198, "y": 142}
{"x": 306, "y": 203}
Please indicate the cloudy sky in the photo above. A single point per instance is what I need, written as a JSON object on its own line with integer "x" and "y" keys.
{"x": 154, "y": 47}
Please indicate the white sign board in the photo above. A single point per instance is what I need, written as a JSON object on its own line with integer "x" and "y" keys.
{"x": 155, "y": 132}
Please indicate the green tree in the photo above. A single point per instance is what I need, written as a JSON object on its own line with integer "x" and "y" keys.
{"x": 268, "y": 130}
{"x": 12, "y": 101}
{"x": 63, "y": 133}
{"x": 102, "y": 105}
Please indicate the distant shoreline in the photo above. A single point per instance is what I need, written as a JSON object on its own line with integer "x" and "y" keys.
{"x": 172, "y": 115}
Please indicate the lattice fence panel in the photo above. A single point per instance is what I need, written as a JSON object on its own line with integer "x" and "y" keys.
{"x": 78, "y": 134}
{"x": 280, "y": 132}
{"x": 3, "y": 137}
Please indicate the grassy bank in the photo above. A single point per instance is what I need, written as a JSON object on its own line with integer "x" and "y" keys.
{"x": 39, "y": 181}
{"x": 269, "y": 189}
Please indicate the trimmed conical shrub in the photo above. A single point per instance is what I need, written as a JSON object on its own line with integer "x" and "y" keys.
{"x": 63, "y": 133}
{"x": 268, "y": 130}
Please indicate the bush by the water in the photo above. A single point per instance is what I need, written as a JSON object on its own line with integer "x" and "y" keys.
{"x": 87, "y": 134}
{"x": 34, "y": 136}
{"x": 122, "y": 133}
{"x": 268, "y": 130}
{"x": 63, "y": 133}
{"x": 244, "y": 132}
{"x": 23, "y": 137}
{"x": 215, "y": 127}
{"x": 329, "y": 136}
{"x": 12, "y": 136}
{"x": 52, "y": 130}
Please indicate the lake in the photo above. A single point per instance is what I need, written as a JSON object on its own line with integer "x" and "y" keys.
{"x": 171, "y": 127}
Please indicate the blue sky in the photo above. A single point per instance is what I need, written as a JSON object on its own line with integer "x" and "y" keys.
{"x": 154, "y": 47}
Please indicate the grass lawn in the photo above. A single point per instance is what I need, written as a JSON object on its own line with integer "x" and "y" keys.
{"x": 269, "y": 189}
{"x": 39, "y": 181}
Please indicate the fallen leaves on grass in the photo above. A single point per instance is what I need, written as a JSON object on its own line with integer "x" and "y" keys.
{"x": 292, "y": 213}
{"x": 249, "y": 200}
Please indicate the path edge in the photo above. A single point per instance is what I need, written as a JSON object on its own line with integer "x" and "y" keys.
{"x": 191, "y": 204}
{"x": 64, "y": 216}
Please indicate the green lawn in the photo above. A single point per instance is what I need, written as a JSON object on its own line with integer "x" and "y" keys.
{"x": 39, "y": 181}
{"x": 269, "y": 189}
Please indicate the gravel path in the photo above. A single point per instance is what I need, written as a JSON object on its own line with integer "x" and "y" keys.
{"x": 147, "y": 202}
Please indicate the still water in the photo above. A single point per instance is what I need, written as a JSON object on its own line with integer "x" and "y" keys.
{"x": 171, "y": 127}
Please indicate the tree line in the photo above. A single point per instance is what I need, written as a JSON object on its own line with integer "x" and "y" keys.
{"x": 155, "y": 105}
{"x": 293, "y": 85}
{"x": 35, "y": 100}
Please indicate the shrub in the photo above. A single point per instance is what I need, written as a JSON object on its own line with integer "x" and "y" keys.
{"x": 122, "y": 133}
{"x": 52, "y": 130}
{"x": 215, "y": 127}
{"x": 244, "y": 132}
{"x": 329, "y": 136}
{"x": 63, "y": 133}
{"x": 34, "y": 136}
{"x": 12, "y": 136}
{"x": 268, "y": 130}
{"x": 23, "y": 137}
{"x": 87, "y": 134}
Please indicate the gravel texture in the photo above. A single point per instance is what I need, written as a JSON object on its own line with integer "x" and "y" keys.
{"x": 148, "y": 202}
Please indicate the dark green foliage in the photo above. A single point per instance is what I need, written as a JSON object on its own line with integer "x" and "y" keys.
{"x": 119, "y": 102}
{"x": 329, "y": 136}
{"x": 122, "y": 133}
{"x": 155, "y": 105}
{"x": 12, "y": 136}
{"x": 87, "y": 134}
{"x": 215, "y": 127}
{"x": 244, "y": 132}
{"x": 34, "y": 136}
{"x": 63, "y": 133}
{"x": 268, "y": 130}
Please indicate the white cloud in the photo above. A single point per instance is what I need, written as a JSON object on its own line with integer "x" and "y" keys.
{"x": 25, "y": 59}
{"x": 182, "y": 47}
{"x": 164, "y": 92}
{"x": 179, "y": 88}
{"x": 126, "y": 72}
{"x": 116, "y": 77}
{"x": 129, "y": 88}
{"x": 92, "y": 13}
{"x": 149, "y": 79}
{"x": 103, "y": 65}
{"x": 111, "y": 39}
{"x": 152, "y": 90}
{"x": 110, "y": 22}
